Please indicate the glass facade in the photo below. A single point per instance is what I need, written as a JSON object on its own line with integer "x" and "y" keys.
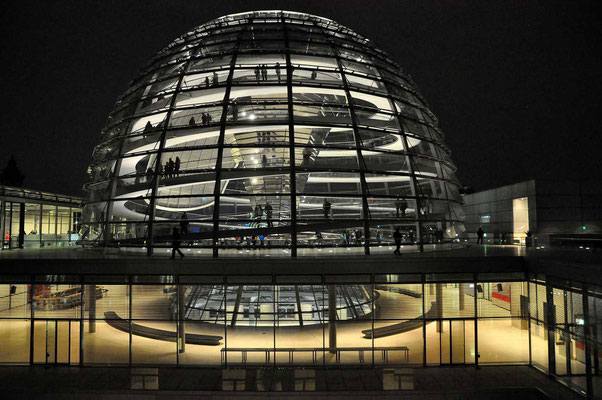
{"x": 210, "y": 321}
{"x": 272, "y": 130}
{"x": 33, "y": 219}
{"x": 413, "y": 319}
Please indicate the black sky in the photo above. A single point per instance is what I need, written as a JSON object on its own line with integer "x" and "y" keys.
{"x": 515, "y": 84}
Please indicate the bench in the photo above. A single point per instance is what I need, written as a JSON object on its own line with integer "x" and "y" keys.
{"x": 244, "y": 351}
{"x": 139, "y": 330}
{"x": 401, "y": 327}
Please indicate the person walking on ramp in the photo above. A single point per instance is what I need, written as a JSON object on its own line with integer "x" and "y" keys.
{"x": 176, "y": 240}
{"x": 397, "y": 238}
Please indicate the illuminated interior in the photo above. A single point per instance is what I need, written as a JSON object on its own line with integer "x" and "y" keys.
{"x": 520, "y": 212}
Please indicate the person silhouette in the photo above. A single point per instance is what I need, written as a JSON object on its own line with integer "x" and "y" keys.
{"x": 278, "y": 71}
{"x": 326, "y": 207}
{"x": 397, "y": 239}
{"x": 175, "y": 243}
{"x": 268, "y": 214}
{"x": 480, "y": 234}
{"x": 184, "y": 223}
{"x": 177, "y": 166}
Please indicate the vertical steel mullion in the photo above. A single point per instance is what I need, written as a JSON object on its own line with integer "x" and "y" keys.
{"x": 358, "y": 147}
{"x": 32, "y": 315}
{"x": 225, "y": 288}
{"x": 41, "y": 223}
{"x": 220, "y": 146}
{"x": 476, "y": 323}
{"x": 2, "y": 220}
{"x": 130, "y": 320}
{"x": 81, "y": 322}
{"x": 69, "y": 345}
{"x": 158, "y": 163}
{"x": 112, "y": 188}
{"x": 550, "y": 318}
{"x": 529, "y": 318}
{"x": 275, "y": 306}
{"x": 69, "y": 226}
{"x": 291, "y": 139}
{"x": 422, "y": 276}
{"x": 567, "y": 347}
{"x": 21, "y": 237}
{"x": 56, "y": 340}
{"x": 10, "y": 227}
{"x": 178, "y": 320}
{"x": 587, "y": 333}
{"x": 414, "y": 182}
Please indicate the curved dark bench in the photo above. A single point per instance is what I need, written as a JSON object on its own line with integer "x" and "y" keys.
{"x": 118, "y": 323}
{"x": 399, "y": 290}
{"x": 401, "y": 327}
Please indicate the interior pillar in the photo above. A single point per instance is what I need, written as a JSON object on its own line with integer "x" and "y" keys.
{"x": 439, "y": 303}
{"x": 92, "y": 308}
{"x": 181, "y": 327}
{"x": 332, "y": 318}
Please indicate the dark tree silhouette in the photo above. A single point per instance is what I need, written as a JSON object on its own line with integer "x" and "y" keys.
{"x": 10, "y": 175}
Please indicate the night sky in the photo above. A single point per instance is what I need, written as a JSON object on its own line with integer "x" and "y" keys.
{"x": 515, "y": 84}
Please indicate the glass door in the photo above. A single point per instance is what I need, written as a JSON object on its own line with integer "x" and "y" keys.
{"x": 51, "y": 342}
{"x": 56, "y": 342}
{"x": 458, "y": 342}
{"x": 452, "y": 334}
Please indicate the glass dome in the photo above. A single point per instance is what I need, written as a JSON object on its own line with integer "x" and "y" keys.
{"x": 272, "y": 130}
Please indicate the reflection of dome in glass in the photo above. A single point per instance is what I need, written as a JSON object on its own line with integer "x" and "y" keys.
{"x": 272, "y": 129}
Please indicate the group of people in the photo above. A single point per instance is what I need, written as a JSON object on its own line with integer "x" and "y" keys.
{"x": 355, "y": 236}
{"x": 259, "y": 212}
{"x": 261, "y": 72}
{"x": 264, "y": 137}
{"x": 205, "y": 120}
{"x": 214, "y": 80}
{"x": 400, "y": 207}
{"x": 172, "y": 168}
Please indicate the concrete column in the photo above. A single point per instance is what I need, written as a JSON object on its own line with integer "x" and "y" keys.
{"x": 332, "y": 318}
{"x": 461, "y": 292}
{"x": 181, "y": 327}
{"x": 439, "y": 303}
{"x": 92, "y": 308}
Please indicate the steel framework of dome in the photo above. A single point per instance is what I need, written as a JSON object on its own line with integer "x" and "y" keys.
{"x": 272, "y": 129}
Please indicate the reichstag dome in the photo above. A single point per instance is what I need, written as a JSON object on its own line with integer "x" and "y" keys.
{"x": 272, "y": 132}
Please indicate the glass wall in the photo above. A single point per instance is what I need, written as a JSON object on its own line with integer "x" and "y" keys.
{"x": 318, "y": 320}
{"x": 32, "y": 219}
{"x": 412, "y": 320}
{"x": 565, "y": 326}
